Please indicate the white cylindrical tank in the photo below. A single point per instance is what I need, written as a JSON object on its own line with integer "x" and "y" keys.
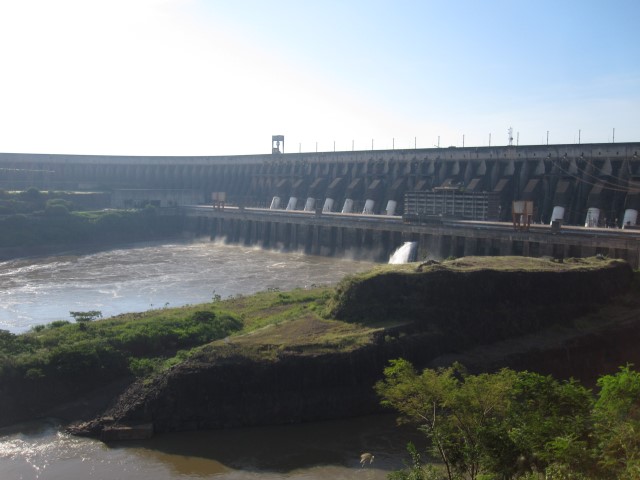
{"x": 630, "y": 217}
{"x": 368, "y": 207}
{"x": 391, "y": 207}
{"x": 558, "y": 214}
{"x": 293, "y": 201}
{"x": 348, "y": 206}
{"x": 593, "y": 217}
{"x": 275, "y": 203}
{"x": 328, "y": 205}
{"x": 310, "y": 205}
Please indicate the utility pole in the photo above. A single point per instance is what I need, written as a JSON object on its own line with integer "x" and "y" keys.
{"x": 489, "y": 139}
{"x": 613, "y": 139}
{"x": 547, "y": 137}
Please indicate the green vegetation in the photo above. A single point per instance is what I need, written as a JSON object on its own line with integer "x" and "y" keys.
{"x": 128, "y": 344}
{"x": 511, "y": 424}
{"x": 276, "y": 322}
{"x": 144, "y": 343}
{"x": 57, "y": 225}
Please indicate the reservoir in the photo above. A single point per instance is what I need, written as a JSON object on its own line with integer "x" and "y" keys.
{"x": 40, "y": 290}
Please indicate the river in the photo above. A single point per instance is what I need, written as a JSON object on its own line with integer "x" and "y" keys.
{"x": 40, "y": 290}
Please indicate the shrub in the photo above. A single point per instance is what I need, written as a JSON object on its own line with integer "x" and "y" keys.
{"x": 203, "y": 316}
{"x": 58, "y": 323}
{"x": 142, "y": 367}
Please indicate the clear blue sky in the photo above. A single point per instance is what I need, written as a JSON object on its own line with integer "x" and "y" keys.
{"x": 198, "y": 77}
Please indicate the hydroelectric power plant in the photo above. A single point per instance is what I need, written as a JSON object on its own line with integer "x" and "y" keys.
{"x": 571, "y": 200}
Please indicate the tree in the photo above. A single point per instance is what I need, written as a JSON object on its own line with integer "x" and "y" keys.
{"x": 549, "y": 424}
{"x": 505, "y": 424}
{"x": 617, "y": 424}
{"x": 458, "y": 412}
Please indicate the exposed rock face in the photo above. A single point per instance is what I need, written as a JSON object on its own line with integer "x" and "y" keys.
{"x": 445, "y": 313}
{"x": 241, "y": 392}
{"x": 438, "y": 296}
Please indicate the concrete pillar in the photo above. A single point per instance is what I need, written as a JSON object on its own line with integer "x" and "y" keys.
{"x": 252, "y": 232}
{"x": 469, "y": 246}
{"x": 506, "y": 247}
{"x": 273, "y": 235}
{"x": 294, "y": 236}
{"x": 316, "y": 240}
{"x": 339, "y": 241}
{"x": 333, "y": 234}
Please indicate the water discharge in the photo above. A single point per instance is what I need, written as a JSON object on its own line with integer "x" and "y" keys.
{"x": 404, "y": 254}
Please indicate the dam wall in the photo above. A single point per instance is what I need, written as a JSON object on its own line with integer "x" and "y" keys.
{"x": 598, "y": 182}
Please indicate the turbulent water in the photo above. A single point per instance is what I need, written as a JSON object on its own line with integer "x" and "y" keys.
{"x": 40, "y": 290}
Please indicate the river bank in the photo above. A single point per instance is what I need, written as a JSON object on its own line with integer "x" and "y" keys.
{"x": 313, "y": 354}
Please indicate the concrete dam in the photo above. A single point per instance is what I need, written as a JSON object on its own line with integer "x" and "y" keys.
{"x": 451, "y": 201}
